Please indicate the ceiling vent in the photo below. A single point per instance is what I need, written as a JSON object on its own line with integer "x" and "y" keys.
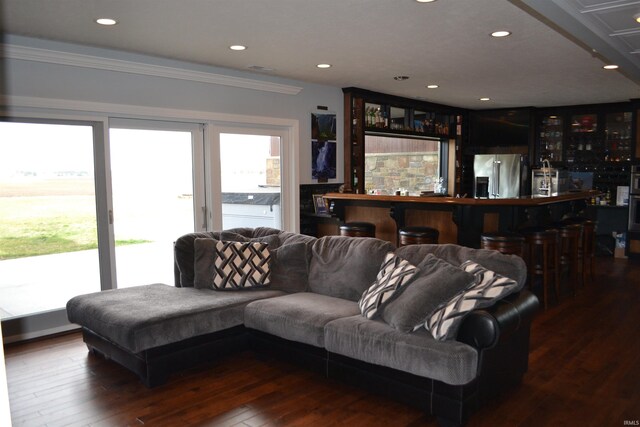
{"x": 260, "y": 69}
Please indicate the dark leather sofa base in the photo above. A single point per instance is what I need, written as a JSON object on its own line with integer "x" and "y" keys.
{"x": 154, "y": 366}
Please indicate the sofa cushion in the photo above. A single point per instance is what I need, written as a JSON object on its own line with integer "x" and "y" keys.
{"x": 149, "y": 316}
{"x": 273, "y": 240}
{"x": 287, "y": 238}
{"x": 394, "y": 273}
{"x": 299, "y": 317}
{"x": 290, "y": 267}
{"x": 184, "y": 252}
{"x": 343, "y": 267}
{"x": 511, "y": 266}
{"x": 436, "y": 283}
{"x": 289, "y": 264}
{"x": 375, "y": 342}
{"x": 486, "y": 290}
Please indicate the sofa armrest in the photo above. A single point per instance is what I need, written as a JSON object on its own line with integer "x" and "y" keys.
{"x": 484, "y": 328}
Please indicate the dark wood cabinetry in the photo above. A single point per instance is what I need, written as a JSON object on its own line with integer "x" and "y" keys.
{"x": 599, "y": 139}
{"x": 579, "y": 135}
{"x": 372, "y": 113}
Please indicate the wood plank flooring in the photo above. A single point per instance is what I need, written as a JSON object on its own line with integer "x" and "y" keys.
{"x": 584, "y": 370}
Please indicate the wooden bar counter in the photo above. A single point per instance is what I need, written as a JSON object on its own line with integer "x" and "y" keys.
{"x": 459, "y": 220}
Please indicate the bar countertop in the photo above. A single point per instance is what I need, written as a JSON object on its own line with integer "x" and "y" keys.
{"x": 465, "y": 201}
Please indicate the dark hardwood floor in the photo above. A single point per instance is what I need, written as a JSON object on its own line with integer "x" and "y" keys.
{"x": 584, "y": 371}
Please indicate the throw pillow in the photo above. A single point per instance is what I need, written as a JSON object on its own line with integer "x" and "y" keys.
{"x": 488, "y": 288}
{"x": 290, "y": 267}
{"x": 241, "y": 265}
{"x": 204, "y": 253}
{"x": 436, "y": 282}
{"x": 394, "y": 273}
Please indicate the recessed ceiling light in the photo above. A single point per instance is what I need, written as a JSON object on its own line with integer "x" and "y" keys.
{"x": 237, "y": 47}
{"x": 106, "y": 21}
{"x": 323, "y": 65}
{"x": 610, "y": 67}
{"x": 637, "y": 17}
{"x": 485, "y": 99}
{"x": 401, "y": 78}
{"x": 432, "y": 86}
{"x": 501, "y": 33}
{"x": 425, "y": 1}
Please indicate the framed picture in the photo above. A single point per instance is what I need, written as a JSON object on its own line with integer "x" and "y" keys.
{"x": 323, "y": 146}
{"x": 320, "y": 204}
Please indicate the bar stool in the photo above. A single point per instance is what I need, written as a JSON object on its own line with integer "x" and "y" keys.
{"x": 588, "y": 250}
{"x": 586, "y": 247}
{"x": 417, "y": 236}
{"x": 358, "y": 229}
{"x": 506, "y": 243}
{"x": 570, "y": 235}
{"x": 543, "y": 259}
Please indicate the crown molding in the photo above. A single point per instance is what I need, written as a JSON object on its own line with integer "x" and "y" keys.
{"x": 25, "y": 53}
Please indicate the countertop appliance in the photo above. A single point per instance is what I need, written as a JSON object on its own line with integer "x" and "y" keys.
{"x": 549, "y": 182}
{"x": 503, "y": 173}
{"x": 634, "y": 199}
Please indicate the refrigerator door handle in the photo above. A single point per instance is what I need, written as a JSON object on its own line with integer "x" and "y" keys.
{"x": 496, "y": 179}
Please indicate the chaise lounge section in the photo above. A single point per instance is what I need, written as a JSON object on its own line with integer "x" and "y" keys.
{"x": 311, "y": 311}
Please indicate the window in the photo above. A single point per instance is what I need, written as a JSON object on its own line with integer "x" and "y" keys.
{"x": 413, "y": 164}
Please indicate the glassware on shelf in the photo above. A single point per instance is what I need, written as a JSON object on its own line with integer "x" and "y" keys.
{"x": 618, "y": 135}
{"x": 550, "y": 138}
{"x": 584, "y": 123}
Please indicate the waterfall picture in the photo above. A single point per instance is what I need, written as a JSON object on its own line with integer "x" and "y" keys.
{"x": 323, "y": 146}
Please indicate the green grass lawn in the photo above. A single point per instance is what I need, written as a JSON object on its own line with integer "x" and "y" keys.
{"x": 42, "y": 225}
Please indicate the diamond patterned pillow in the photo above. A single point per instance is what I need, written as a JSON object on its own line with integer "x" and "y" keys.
{"x": 487, "y": 288}
{"x": 394, "y": 273}
{"x": 241, "y": 265}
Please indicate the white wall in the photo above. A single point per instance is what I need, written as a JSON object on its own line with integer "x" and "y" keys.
{"x": 39, "y": 76}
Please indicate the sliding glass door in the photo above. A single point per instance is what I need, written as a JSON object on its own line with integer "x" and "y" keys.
{"x": 48, "y": 225}
{"x": 90, "y": 206}
{"x": 157, "y": 196}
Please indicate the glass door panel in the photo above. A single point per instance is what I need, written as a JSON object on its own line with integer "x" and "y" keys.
{"x": 618, "y": 136}
{"x": 153, "y": 200}
{"x": 550, "y": 140}
{"x": 250, "y": 180}
{"x": 48, "y": 232}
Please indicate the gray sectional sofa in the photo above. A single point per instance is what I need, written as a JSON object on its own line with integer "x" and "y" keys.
{"x": 310, "y": 312}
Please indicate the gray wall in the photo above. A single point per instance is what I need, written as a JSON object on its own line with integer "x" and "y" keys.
{"x": 30, "y": 78}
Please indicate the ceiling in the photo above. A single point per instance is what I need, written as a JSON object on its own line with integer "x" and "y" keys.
{"x": 553, "y": 57}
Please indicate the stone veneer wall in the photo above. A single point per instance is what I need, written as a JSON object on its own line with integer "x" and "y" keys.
{"x": 273, "y": 171}
{"x": 390, "y": 171}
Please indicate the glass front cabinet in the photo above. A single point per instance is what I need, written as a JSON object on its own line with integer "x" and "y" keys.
{"x": 570, "y": 138}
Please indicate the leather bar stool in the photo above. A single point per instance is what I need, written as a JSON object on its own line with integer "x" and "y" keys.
{"x": 543, "y": 259}
{"x": 570, "y": 235}
{"x": 358, "y": 229}
{"x": 588, "y": 250}
{"x": 506, "y": 243}
{"x": 586, "y": 247}
{"x": 417, "y": 236}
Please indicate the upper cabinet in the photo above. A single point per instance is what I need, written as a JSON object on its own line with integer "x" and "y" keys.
{"x": 573, "y": 136}
{"x": 551, "y": 137}
{"x": 618, "y": 136}
{"x": 389, "y": 118}
{"x": 372, "y": 113}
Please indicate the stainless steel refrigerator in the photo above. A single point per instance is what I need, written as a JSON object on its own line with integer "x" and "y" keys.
{"x": 503, "y": 171}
